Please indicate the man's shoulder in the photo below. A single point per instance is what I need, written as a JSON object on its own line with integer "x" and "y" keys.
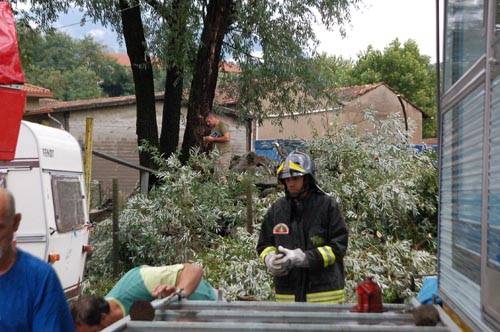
{"x": 223, "y": 126}
{"x": 33, "y": 263}
{"x": 323, "y": 198}
{"x": 321, "y": 195}
{"x": 280, "y": 203}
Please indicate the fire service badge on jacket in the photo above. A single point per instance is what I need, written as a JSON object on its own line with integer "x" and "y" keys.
{"x": 281, "y": 228}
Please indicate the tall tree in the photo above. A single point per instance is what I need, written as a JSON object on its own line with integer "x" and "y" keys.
{"x": 282, "y": 76}
{"x": 176, "y": 23}
{"x": 406, "y": 70}
{"x": 216, "y": 24}
{"x": 142, "y": 72}
{"x": 270, "y": 39}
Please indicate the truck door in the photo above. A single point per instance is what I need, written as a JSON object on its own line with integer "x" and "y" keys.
{"x": 67, "y": 234}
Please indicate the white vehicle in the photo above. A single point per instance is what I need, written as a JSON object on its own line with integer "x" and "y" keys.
{"x": 46, "y": 179}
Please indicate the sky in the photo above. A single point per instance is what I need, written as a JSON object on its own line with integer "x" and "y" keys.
{"x": 376, "y": 23}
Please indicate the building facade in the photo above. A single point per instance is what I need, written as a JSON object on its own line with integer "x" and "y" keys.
{"x": 351, "y": 106}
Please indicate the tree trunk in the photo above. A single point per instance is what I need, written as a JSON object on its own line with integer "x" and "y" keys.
{"x": 142, "y": 72}
{"x": 206, "y": 71}
{"x": 169, "y": 139}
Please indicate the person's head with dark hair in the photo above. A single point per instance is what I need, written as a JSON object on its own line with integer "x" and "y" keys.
{"x": 90, "y": 313}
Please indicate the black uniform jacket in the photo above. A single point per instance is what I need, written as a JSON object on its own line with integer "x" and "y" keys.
{"x": 314, "y": 224}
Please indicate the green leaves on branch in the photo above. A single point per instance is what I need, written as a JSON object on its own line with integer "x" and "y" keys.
{"x": 388, "y": 194}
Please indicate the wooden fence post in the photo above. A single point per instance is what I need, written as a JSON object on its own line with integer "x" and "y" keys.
{"x": 116, "y": 209}
{"x": 249, "y": 207}
{"x": 89, "y": 128}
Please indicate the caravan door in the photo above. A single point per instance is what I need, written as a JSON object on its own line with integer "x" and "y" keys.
{"x": 22, "y": 178}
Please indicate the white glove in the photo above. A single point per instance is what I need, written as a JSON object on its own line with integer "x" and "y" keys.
{"x": 277, "y": 270}
{"x": 294, "y": 258}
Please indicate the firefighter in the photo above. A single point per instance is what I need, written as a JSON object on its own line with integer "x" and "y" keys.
{"x": 303, "y": 238}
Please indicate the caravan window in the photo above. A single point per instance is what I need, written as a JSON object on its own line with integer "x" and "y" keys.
{"x": 68, "y": 203}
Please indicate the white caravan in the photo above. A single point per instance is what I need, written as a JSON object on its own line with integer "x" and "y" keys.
{"x": 46, "y": 178}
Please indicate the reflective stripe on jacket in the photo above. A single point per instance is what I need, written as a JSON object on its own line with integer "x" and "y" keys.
{"x": 333, "y": 297}
{"x": 314, "y": 224}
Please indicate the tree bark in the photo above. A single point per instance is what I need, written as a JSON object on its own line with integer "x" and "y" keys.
{"x": 169, "y": 138}
{"x": 201, "y": 96}
{"x": 142, "y": 72}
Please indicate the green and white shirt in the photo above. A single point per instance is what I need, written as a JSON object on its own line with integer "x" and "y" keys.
{"x": 139, "y": 283}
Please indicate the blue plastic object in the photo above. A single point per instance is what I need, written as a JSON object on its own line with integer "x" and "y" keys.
{"x": 265, "y": 148}
{"x": 429, "y": 293}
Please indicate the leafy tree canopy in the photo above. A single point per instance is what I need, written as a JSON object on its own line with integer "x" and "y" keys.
{"x": 403, "y": 68}
{"x": 71, "y": 68}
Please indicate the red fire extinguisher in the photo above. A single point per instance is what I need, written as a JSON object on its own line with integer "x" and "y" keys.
{"x": 369, "y": 297}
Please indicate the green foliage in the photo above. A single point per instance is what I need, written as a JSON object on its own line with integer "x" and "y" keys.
{"x": 71, "y": 68}
{"x": 388, "y": 195}
{"x": 186, "y": 212}
{"x": 383, "y": 184}
{"x": 232, "y": 266}
{"x": 335, "y": 72}
{"x": 404, "y": 69}
{"x": 396, "y": 266}
{"x": 99, "y": 268}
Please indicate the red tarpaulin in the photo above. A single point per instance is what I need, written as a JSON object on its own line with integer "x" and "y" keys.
{"x": 10, "y": 66}
{"x": 11, "y": 112}
{"x": 12, "y": 100}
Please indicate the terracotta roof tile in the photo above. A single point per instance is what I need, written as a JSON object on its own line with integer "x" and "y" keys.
{"x": 37, "y": 91}
{"x": 120, "y": 58}
{"x": 124, "y": 60}
{"x": 350, "y": 92}
{"x": 96, "y": 103}
{"x": 84, "y": 104}
{"x": 229, "y": 67}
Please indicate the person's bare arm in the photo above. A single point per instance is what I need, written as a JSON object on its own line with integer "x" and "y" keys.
{"x": 161, "y": 291}
{"x": 189, "y": 278}
{"x": 223, "y": 139}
